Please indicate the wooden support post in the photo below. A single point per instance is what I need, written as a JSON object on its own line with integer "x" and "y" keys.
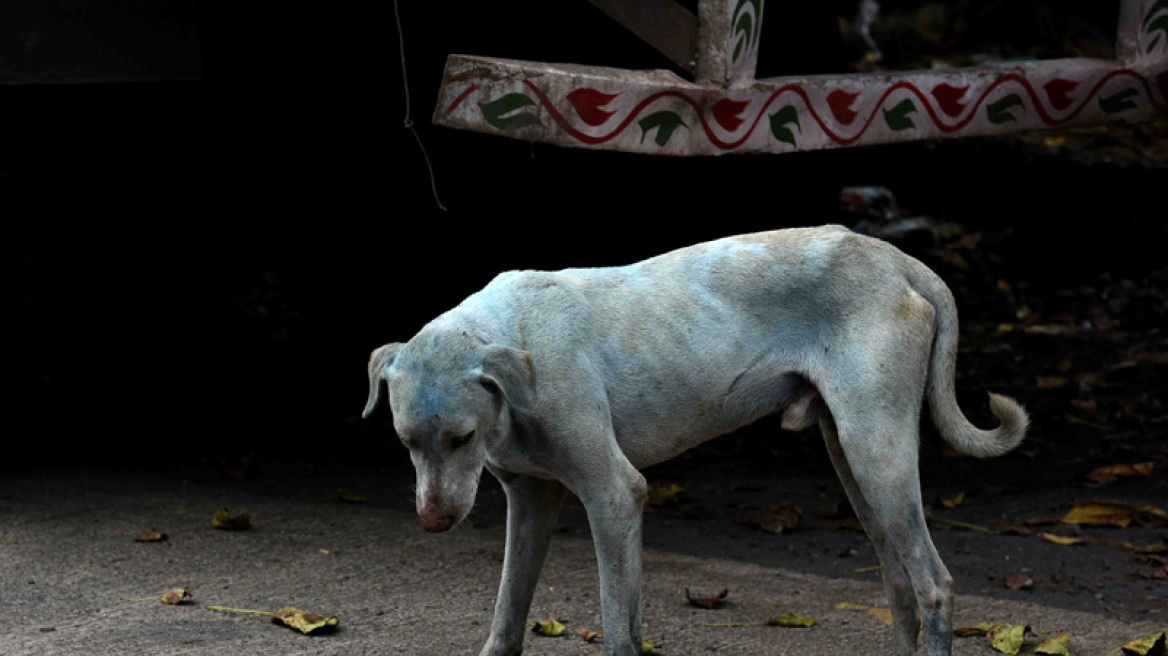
{"x": 728, "y": 39}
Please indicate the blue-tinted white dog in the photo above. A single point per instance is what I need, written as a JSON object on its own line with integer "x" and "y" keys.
{"x": 574, "y": 380}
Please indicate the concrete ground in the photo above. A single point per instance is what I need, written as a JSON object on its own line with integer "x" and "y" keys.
{"x": 68, "y": 554}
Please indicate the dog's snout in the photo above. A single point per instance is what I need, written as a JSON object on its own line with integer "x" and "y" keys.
{"x": 437, "y": 524}
{"x": 435, "y": 518}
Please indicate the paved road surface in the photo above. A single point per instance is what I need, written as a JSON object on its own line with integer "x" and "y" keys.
{"x": 68, "y": 559}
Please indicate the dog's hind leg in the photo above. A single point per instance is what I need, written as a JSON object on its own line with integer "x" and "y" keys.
{"x": 532, "y": 507}
{"x": 882, "y": 453}
{"x": 898, "y": 585}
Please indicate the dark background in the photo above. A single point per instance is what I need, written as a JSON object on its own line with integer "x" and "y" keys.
{"x": 202, "y": 242}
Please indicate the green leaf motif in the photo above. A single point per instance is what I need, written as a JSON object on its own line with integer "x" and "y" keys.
{"x": 779, "y": 122}
{"x": 747, "y": 24}
{"x": 1158, "y": 25}
{"x": 496, "y": 112}
{"x": 1119, "y": 101}
{"x": 999, "y": 112}
{"x": 897, "y": 117}
{"x": 665, "y": 122}
{"x": 1156, "y": 7}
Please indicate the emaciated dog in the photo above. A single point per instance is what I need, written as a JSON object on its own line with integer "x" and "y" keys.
{"x": 574, "y": 380}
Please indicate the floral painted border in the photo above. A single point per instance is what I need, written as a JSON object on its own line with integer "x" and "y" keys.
{"x": 800, "y": 114}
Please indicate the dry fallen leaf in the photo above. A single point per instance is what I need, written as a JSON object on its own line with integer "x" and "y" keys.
{"x": 1108, "y": 513}
{"x": 953, "y": 502}
{"x": 1016, "y": 530}
{"x": 1065, "y": 541}
{"x": 550, "y": 628}
{"x": 1060, "y": 645}
{"x": 780, "y": 517}
{"x": 1153, "y": 573}
{"x": 1016, "y": 581}
{"x": 176, "y": 596}
{"x": 1112, "y": 473}
{"x": 1152, "y": 645}
{"x": 172, "y": 596}
{"x": 150, "y": 537}
{"x": 1050, "y": 382}
{"x": 791, "y": 620}
{"x": 882, "y": 614}
{"x": 303, "y": 621}
{"x": 707, "y": 602}
{"x": 965, "y": 525}
{"x": 223, "y": 520}
{"x": 663, "y": 492}
{"x": 591, "y": 636}
{"x": 979, "y": 629}
{"x": 1009, "y": 639}
{"x": 647, "y": 646}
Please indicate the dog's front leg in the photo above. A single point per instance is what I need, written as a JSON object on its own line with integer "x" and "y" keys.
{"x": 532, "y": 507}
{"x": 614, "y": 506}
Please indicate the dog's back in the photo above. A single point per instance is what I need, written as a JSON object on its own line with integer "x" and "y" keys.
{"x": 702, "y": 340}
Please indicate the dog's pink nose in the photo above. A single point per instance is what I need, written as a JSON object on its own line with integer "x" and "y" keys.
{"x": 434, "y": 518}
{"x": 436, "y": 523}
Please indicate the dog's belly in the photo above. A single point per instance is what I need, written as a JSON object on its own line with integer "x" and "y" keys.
{"x": 661, "y": 423}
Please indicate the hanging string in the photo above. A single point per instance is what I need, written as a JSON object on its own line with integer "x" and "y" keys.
{"x": 407, "y": 121}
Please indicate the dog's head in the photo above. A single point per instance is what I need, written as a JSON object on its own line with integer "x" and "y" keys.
{"x": 447, "y": 391}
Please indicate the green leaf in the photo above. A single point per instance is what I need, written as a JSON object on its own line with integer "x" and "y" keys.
{"x": 779, "y": 121}
{"x": 747, "y": 25}
{"x": 999, "y": 112}
{"x": 1156, "y": 7}
{"x": 665, "y": 122}
{"x": 897, "y": 117}
{"x": 743, "y": 26}
{"x": 1120, "y": 101}
{"x": 1158, "y": 25}
{"x": 495, "y": 112}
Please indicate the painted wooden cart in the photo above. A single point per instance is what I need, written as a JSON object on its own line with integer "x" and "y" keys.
{"x": 724, "y": 109}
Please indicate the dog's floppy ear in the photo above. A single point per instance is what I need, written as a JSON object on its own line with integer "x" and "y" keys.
{"x": 379, "y": 362}
{"x": 512, "y": 371}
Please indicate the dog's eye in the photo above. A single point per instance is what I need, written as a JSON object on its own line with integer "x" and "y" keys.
{"x": 461, "y": 440}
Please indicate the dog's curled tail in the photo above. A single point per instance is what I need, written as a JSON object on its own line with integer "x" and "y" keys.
{"x": 947, "y": 416}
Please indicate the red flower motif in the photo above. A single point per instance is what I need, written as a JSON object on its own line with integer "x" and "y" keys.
{"x": 1057, "y": 91}
{"x": 726, "y": 113}
{"x": 840, "y": 103}
{"x": 588, "y": 103}
{"x": 949, "y": 99}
